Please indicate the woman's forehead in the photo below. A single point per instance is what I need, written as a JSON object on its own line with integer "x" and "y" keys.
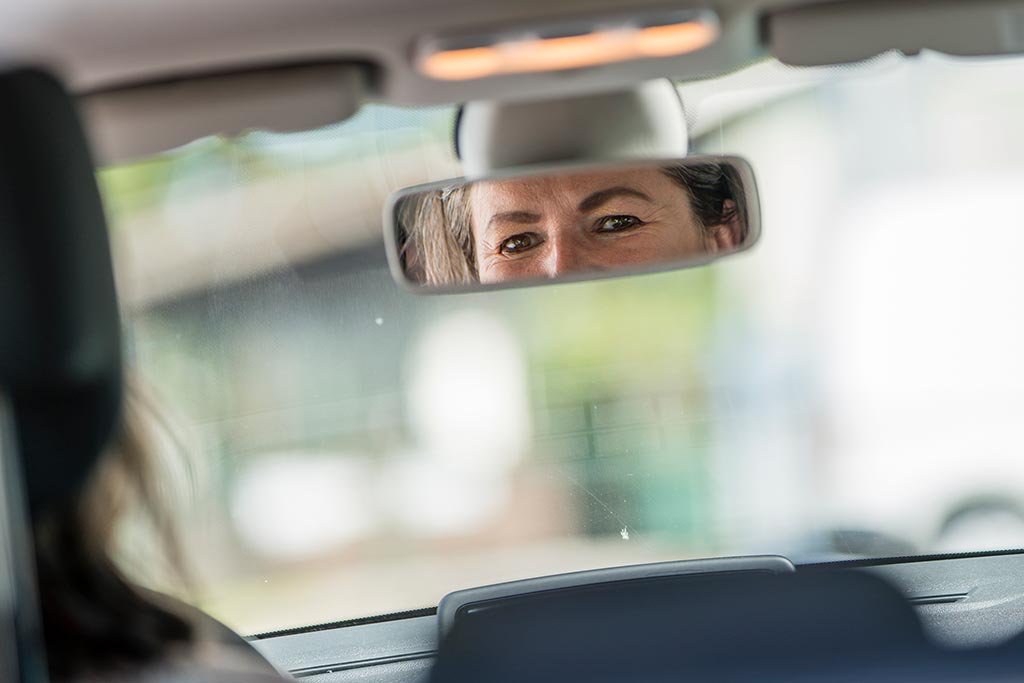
{"x": 565, "y": 186}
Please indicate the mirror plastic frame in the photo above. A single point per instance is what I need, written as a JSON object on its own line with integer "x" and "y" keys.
{"x": 392, "y": 223}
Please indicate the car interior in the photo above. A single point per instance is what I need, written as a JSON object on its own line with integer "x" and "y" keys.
{"x": 593, "y": 340}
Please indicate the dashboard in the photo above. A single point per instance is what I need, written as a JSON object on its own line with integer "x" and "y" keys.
{"x": 962, "y": 601}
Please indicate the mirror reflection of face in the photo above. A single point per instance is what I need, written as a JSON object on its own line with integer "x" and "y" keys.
{"x": 586, "y": 222}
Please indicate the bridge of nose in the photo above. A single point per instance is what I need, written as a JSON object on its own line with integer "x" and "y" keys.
{"x": 569, "y": 250}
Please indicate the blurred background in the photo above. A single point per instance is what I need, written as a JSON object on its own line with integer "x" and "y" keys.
{"x": 851, "y": 387}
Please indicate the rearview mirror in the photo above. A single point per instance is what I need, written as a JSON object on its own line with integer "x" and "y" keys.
{"x": 571, "y": 223}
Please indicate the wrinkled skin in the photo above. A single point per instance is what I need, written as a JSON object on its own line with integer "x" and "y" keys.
{"x": 585, "y": 222}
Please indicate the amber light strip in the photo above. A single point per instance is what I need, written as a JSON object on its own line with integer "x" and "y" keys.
{"x": 568, "y": 52}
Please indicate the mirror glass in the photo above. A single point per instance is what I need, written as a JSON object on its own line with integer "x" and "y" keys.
{"x": 547, "y": 225}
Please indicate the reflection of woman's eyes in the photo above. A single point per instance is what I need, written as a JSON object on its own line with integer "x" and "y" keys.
{"x": 517, "y": 244}
{"x": 618, "y": 223}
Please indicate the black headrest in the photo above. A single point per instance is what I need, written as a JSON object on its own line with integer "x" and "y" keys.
{"x": 60, "y": 359}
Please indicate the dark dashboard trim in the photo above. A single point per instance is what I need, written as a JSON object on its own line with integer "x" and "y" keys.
{"x": 361, "y": 664}
{"x": 906, "y": 559}
{"x": 359, "y": 621}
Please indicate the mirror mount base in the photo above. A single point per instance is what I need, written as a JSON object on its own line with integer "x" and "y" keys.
{"x": 644, "y": 122}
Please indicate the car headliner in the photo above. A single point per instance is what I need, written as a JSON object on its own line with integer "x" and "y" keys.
{"x": 99, "y": 47}
{"x": 100, "y": 44}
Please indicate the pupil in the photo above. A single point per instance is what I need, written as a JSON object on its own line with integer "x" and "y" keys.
{"x": 516, "y": 243}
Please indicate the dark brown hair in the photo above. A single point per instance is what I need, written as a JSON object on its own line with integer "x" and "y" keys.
{"x": 95, "y": 618}
{"x": 710, "y": 185}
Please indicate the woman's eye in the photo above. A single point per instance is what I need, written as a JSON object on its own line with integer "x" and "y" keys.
{"x": 517, "y": 244}
{"x": 618, "y": 223}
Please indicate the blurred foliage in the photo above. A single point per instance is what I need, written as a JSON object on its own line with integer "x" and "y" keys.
{"x": 622, "y": 332}
{"x": 130, "y": 187}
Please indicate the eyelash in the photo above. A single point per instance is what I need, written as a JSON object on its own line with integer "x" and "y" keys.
{"x": 533, "y": 235}
{"x": 636, "y": 223}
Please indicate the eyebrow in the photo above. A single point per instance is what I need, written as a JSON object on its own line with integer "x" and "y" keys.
{"x": 514, "y": 217}
{"x": 598, "y": 198}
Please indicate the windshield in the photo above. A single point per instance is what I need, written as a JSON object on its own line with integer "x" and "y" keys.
{"x": 850, "y": 387}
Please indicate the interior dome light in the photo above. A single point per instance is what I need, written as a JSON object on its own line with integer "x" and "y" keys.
{"x": 561, "y": 48}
